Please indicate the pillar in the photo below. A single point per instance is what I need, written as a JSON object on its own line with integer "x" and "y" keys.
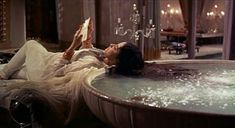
{"x": 17, "y": 23}
{"x": 192, "y": 20}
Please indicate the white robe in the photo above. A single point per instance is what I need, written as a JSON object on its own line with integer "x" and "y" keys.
{"x": 60, "y": 79}
{"x": 33, "y": 62}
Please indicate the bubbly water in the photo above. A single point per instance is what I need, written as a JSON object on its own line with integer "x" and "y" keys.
{"x": 211, "y": 89}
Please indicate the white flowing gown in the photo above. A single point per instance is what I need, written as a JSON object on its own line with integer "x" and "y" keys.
{"x": 60, "y": 79}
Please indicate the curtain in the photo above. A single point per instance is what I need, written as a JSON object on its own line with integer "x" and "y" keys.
{"x": 185, "y": 7}
{"x": 184, "y": 10}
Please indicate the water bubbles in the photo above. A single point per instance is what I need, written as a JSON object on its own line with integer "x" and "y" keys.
{"x": 197, "y": 83}
{"x": 183, "y": 102}
{"x": 181, "y": 80}
{"x": 224, "y": 106}
{"x": 209, "y": 90}
{"x": 153, "y": 104}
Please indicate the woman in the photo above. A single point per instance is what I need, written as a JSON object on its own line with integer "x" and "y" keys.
{"x": 34, "y": 62}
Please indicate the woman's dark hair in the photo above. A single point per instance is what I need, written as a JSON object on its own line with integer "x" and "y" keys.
{"x": 129, "y": 60}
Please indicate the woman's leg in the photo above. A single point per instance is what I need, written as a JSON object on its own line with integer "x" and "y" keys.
{"x": 16, "y": 63}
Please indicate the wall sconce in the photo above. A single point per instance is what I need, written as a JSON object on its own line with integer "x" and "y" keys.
{"x": 148, "y": 32}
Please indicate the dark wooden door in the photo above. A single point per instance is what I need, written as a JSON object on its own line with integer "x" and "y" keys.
{"x": 41, "y": 20}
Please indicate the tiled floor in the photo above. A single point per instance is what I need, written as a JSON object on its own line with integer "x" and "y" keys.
{"x": 208, "y": 51}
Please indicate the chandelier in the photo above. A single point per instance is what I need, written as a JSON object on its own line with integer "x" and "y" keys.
{"x": 134, "y": 32}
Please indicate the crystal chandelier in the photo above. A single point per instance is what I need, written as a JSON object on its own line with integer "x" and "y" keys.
{"x": 148, "y": 32}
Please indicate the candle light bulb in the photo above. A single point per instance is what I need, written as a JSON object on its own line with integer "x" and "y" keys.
{"x": 119, "y": 20}
{"x": 177, "y": 11}
{"x": 222, "y": 13}
{"x": 168, "y": 5}
{"x": 211, "y": 13}
{"x": 134, "y": 7}
{"x": 150, "y": 21}
{"x": 216, "y": 6}
{"x": 172, "y": 11}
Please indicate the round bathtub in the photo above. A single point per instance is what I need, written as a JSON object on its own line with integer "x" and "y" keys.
{"x": 169, "y": 94}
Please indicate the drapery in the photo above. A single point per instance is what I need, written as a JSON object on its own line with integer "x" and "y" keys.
{"x": 184, "y": 4}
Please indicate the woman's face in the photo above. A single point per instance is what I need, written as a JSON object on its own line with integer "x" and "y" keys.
{"x": 112, "y": 50}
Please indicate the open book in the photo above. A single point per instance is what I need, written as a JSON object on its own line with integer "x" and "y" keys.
{"x": 84, "y": 31}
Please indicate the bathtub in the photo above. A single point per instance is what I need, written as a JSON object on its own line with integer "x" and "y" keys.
{"x": 215, "y": 109}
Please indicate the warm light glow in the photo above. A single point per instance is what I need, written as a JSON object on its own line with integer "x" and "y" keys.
{"x": 177, "y": 11}
{"x": 211, "y": 13}
{"x": 216, "y": 6}
{"x": 215, "y": 13}
{"x": 215, "y": 16}
{"x": 222, "y": 13}
{"x": 162, "y": 11}
{"x": 172, "y": 11}
{"x": 168, "y": 5}
{"x": 134, "y": 7}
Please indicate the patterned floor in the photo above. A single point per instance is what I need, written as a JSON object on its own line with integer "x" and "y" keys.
{"x": 208, "y": 51}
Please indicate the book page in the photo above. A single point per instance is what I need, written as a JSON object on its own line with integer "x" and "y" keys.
{"x": 84, "y": 31}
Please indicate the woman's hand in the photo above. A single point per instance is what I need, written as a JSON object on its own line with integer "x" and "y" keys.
{"x": 76, "y": 42}
{"x": 87, "y": 43}
{"x": 76, "y": 39}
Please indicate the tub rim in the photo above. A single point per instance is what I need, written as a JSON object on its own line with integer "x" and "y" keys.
{"x": 133, "y": 104}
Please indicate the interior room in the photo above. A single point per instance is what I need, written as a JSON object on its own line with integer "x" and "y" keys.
{"x": 170, "y": 18}
{"x": 57, "y": 63}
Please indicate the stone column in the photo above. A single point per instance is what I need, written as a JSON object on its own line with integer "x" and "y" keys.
{"x": 17, "y": 23}
{"x": 229, "y": 24}
{"x": 232, "y": 44}
{"x": 192, "y": 20}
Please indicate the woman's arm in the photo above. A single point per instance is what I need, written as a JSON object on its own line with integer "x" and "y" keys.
{"x": 77, "y": 41}
{"x": 68, "y": 53}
